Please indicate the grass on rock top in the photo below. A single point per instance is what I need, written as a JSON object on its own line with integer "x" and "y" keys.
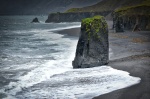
{"x": 140, "y": 9}
{"x": 94, "y": 25}
{"x": 72, "y": 10}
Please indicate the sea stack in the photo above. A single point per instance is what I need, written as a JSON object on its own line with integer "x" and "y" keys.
{"x": 92, "y": 48}
{"x": 35, "y": 20}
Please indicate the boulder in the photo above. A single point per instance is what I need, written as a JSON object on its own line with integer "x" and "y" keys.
{"x": 119, "y": 27}
{"x": 92, "y": 48}
{"x": 35, "y": 20}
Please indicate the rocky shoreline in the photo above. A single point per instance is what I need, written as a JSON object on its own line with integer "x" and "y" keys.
{"x": 131, "y": 53}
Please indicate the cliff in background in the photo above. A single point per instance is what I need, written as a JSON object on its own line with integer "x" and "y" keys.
{"x": 133, "y": 17}
{"x": 104, "y": 8}
{"x": 72, "y": 17}
{"x": 106, "y": 5}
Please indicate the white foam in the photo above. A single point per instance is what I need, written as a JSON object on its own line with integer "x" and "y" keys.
{"x": 42, "y": 72}
{"x": 69, "y": 83}
{"x": 63, "y": 28}
{"x": 45, "y": 30}
{"x": 72, "y": 84}
{"x": 32, "y": 30}
{"x": 85, "y": 83}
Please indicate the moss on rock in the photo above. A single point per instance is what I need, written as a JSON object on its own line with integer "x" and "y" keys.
{"x": 93, "y": 46}
{"x": 130, "y": 16}
{"x": 140, "y": 9}
{"x": 73, "y": 10}
{"x": 94, "y": 25}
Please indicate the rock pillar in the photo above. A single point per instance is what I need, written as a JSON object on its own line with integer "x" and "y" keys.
{"x": 92, "y": 48}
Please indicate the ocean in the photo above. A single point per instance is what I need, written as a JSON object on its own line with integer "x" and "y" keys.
{"x": 36, "y": 63}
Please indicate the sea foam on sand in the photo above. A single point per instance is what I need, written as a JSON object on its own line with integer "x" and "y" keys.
{"x": 83, "y": 83}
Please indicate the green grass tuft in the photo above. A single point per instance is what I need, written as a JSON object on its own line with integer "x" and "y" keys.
{"x": 140, "y": 9}
{"x": 73, "y": 10}
{"x": 94, "y": 25}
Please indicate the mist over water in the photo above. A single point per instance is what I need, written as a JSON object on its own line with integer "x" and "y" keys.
{"x": 36, "y": 62}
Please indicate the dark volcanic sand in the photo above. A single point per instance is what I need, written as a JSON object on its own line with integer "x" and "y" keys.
{"x": 131, "y": 53}
{"x": 70, "y": 32}
{"x": 138, "y": 66}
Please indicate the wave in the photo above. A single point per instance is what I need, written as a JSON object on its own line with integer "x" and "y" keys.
{"x": 63, "y": 28}
{"x": 45, "y": 30}
{"x": 78, "y": 83}
{"x": 55, "y": 78}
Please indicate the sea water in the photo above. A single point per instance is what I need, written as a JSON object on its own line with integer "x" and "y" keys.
{"x": 36, "y": 63}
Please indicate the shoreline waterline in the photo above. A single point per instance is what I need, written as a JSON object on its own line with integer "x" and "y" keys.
{"x": 45, "y": 52}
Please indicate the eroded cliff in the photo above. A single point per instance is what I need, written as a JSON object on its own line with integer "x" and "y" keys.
{"x": 133, "y": 17}
{"x": 72, "y": 17}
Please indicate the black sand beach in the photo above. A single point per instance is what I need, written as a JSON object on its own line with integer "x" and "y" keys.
{"x": 70, "y": 32}
{"x": 131, "y": 53}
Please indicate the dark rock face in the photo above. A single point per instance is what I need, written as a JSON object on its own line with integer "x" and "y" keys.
{"x": 130, "y": 22}
{"x": 133, "y": 18}
{"x": 92, "y": 48}
{"x": 35, "y": 20}
{"x": 72, "y": 17}
{"x": 119, "y": 26}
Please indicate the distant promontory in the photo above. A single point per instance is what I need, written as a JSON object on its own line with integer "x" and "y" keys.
{"x": 104, "y": 8}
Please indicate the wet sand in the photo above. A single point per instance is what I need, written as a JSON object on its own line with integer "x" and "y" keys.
{"x": 138, "y": 66}
{"x": 131, "y": 53}
{"x": 70, "y": 32}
